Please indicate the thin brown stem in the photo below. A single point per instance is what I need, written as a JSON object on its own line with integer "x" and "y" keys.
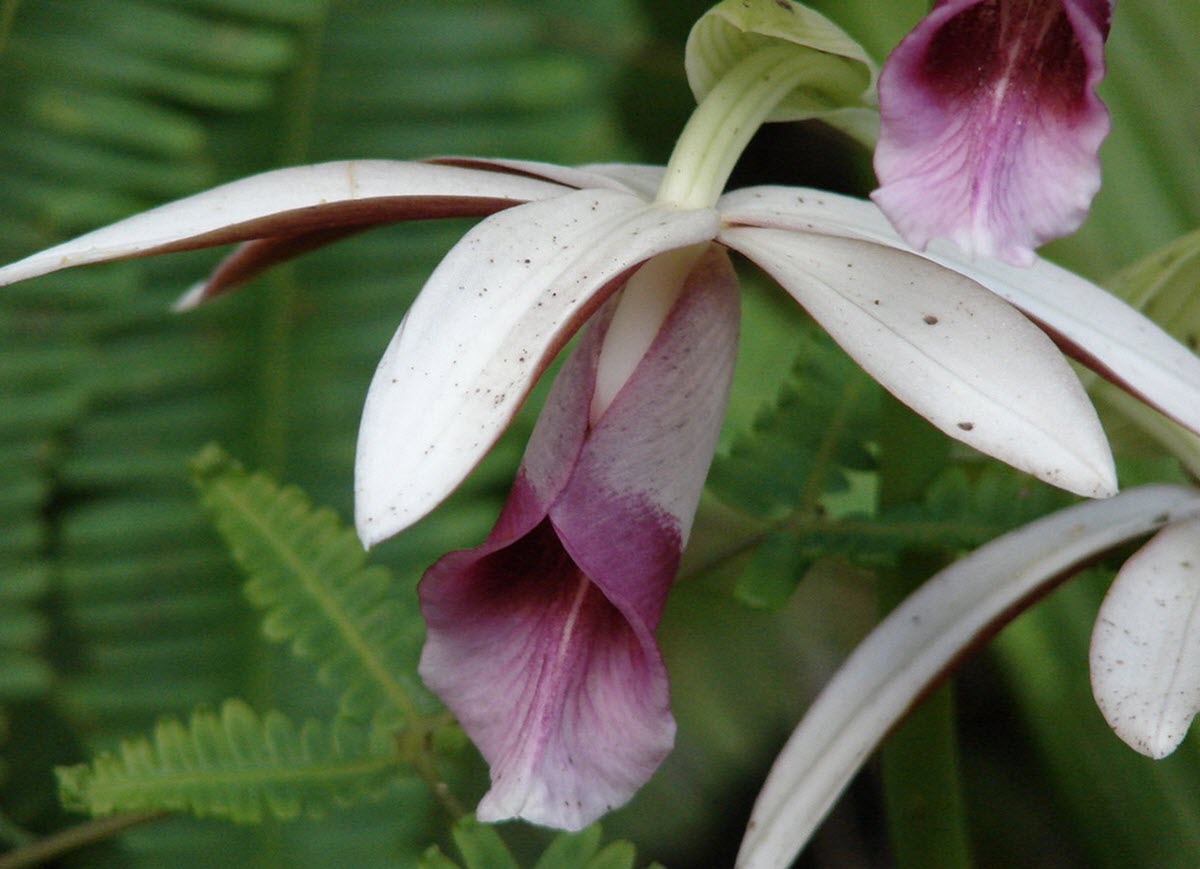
{"x": 87, "y": 833}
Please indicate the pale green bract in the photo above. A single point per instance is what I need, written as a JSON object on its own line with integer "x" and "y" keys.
{"x": 840, "y": 90}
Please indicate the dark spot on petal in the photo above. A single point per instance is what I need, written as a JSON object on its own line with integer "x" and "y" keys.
{"x": 930, "y": 319}
{"x": 966, "y": 426}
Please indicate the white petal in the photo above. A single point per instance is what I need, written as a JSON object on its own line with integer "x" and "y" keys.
{"x": 638, "y": 177}
{"x": 962, "y": 358}
{"x": 1107, "y": 334}
{"x": 626, "y": 177}
{"x": 1145, "y": 656}
{"x": 291, "y": 201}
{"x": 490, "y": 318}
{"x": 910, "y": 649}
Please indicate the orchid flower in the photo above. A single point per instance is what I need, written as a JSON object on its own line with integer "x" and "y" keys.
{"x": 990, "y": 124}
{"x": 914, "y": 647}
{"x": 541, "y": 639}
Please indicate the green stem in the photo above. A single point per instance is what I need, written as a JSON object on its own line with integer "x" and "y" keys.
{"x": 704, "y": 156}
{"x": 722, "y": 125}
{"x": 65, "y": 841}
{"x": 921, "y": 783}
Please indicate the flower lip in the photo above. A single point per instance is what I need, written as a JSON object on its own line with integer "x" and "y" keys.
{"x": 990, "y": 124}
{"x": 541, "y": 639}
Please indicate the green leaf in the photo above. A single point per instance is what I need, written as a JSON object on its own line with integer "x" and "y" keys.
{"x": 569, "y": 850}
{"x": 961, "y": 511}
{"x": 617, "y": 855}
{"x": 308, "y": 573}
{"x": 481, "y": 846}
{"x": 785, "y": 462}
{"x": 235, "y": 765}
{"x": 433, "y": 858}
{"x": 774, "y": 571}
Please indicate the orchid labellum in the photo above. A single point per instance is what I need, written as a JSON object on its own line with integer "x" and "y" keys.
{"x": 990, "y": 124}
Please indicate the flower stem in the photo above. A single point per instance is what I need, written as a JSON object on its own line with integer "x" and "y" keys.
{"x": 722, "y": 125}
{"x": 88, "y": 833}
{"x": 921, "y": 782}
{"x": 704, "y": 156}
{"x": 926, "y": 814}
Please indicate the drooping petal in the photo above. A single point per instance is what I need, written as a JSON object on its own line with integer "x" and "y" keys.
{"x": 623, "y": 177}
{"x": 567, "y": 704}
{"x": 911, "y": 649}
{"x": 1089, "y": 323}
{"x": 955, "y": 353}
{"x": 252, "y": 258}
{"x": 488, "y": 321}
{"x": 990, "y": 124}
{"x": 541, "y": 640}
{"x": 295, "y": 202}
{"x": 1145, "y": 654}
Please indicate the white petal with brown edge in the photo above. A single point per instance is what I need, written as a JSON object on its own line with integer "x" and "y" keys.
{"x": 1099, "y": 329}
{"x": 488, "y": 321}
{"x": 1145, "y": 653}
{"x": 908, "y": 651}
{"x": 958, "y": 355}
{"x": 293, "y": 201}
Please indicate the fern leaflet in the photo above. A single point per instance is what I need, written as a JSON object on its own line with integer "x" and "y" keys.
{"x": 801, "y": 446}
{"x": 308, "y": 573}
{"x": 235, "y": 765}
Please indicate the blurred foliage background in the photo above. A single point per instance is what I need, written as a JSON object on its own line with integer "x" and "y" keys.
{"x": 118, "y": 603}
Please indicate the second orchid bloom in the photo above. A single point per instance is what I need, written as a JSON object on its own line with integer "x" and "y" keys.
{"x": 991, "y": 124}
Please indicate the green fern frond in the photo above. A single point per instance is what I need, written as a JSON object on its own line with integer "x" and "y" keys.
{"x": 309, "y": 575}
{"x": 106, "y": 111}
{"x": 959, "y": 511}
{"x": 235, "y": 765}
{"x": 786, "y": 463}
{"x": 482, "y": 848}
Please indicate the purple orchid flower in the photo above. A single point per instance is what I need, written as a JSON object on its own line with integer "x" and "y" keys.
{"x": 554, "y": 614}
{"x": 541, "y": 639}
{"x": 990, "y": 124}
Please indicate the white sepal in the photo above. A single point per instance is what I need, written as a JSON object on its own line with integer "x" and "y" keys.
{"x": 911, "y": 648}
{"x": 488, "y": 321}
{"x": 290, "y": 201}
{"x": 1107, "y": 335}
{"x": 961, "y": 357}
{"x": 1145, "y": 655}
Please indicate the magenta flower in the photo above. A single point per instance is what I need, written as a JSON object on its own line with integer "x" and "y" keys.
{"x": 541, "y": 639}
{"x": 554, "y": 614}
{"x": 990, "y": 124}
